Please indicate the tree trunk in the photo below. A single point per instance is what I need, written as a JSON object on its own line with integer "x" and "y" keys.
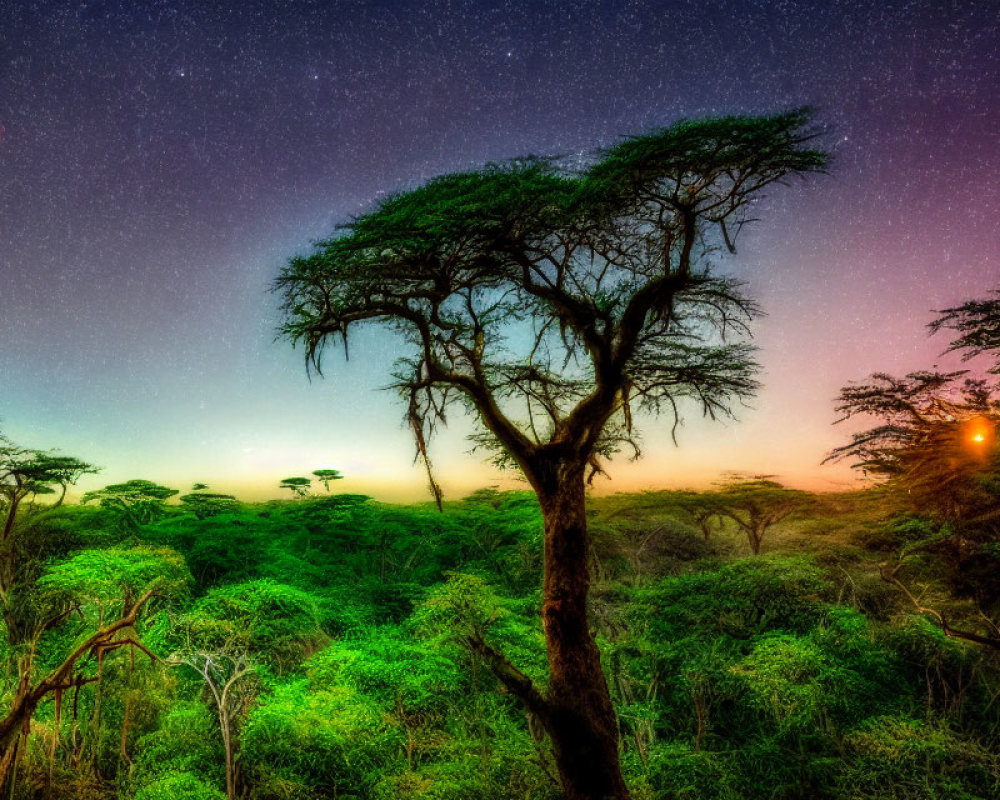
{"x": 579, "y": 716}
{"x": 227, "y": 742}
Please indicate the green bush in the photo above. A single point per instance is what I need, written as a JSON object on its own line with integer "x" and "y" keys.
{"x": 179, "y": 786}
{"x": 894, "y": 758}
{"x": 304, "y": 743}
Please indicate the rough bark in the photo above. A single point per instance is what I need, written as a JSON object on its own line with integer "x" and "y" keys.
{"x": 579, "y": 716}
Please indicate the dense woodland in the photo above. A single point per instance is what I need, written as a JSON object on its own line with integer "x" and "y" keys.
{"x": 322, "y": 641}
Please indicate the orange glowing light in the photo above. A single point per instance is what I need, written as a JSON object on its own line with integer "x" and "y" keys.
{"x": 979, "y": 433}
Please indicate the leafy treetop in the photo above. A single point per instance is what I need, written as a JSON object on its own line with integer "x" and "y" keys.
{"x": 299, "y": 486}
{"x": 327, "y": 475}
{"x": 556, "y": 302}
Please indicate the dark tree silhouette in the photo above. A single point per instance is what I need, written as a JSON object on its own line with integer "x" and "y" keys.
{"x": 977, "y": 324}
{"x": 553, "y": 305}
{"x": 934, "y": 440}
{"x": 935, "y": 445}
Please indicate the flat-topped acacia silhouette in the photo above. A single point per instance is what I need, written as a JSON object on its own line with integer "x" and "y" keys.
{"x": 553, "y": 304}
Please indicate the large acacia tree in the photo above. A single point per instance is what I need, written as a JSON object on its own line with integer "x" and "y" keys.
{"x": 553, "y": 304}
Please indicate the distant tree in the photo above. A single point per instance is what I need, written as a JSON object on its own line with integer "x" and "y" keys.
{"x": 197, "y": 487}
{"x": 702, "y": 509}
{"x": 756, "y": 503}
{"x": 554, "y": 303}
{"x": 298, "y": 486}
{"x": 208, "y": 504}
{"x": 327, "y": 475}
{"x": 26, "y": 474}
{"x": 134, "y": 503}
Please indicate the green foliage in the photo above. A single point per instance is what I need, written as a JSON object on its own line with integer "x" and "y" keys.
{"x": 789, "y": 679}
{"x": 464, "y": 606}
{"x": 134, "y": 503}
{"x": 271, "y": 622}
{"x": 895, "y": 758}
{"x": 732, "y": 678}
{"x": 714, "y": 145}
{"x": 208, "y": 504}
{"x": 186, "y": 742}
{"x": 117, "y": 573}
{"x": 679, "y": 772}
{"x": 765, "y": 677}
{"x": 304, "y": 744}
{"x": 393, "y": 670}
{"x": 179, "y": 786}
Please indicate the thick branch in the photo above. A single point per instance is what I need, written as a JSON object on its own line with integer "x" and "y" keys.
{"x": 519, "y": 684}
{"x": 889, "y": 575}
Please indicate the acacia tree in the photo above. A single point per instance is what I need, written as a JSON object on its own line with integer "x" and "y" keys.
{"x": 755, "y": 504}
{"x": 935, "y": 447}
{"x": 134, "y": 503}
{"x": 327, "y": 475}
{"x": 552, "y": 305}
{"x": 701, "y": 509}
{"x": 26, "y": 474}
{"x": 298, "y": 486}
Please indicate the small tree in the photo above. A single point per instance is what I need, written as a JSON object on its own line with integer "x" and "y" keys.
{"x": 553, "y": 304}
{"x": 26, "y": 474}
{"x": 327, "y": 475}
{"x": 208, "y": 504}
{"x": 702, "y": 509}
{"x": 298, "y": 486}
{"x": 134, "y": 503}
{"x": 230, "y": 632}
{"x": 226, "y": 677}
{"x": 757, "y": 503}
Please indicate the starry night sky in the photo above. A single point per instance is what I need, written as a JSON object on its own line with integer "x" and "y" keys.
{"x": 161, "y": 160}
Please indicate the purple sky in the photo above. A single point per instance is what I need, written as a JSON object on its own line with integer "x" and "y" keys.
{"x": 160, "y": 161}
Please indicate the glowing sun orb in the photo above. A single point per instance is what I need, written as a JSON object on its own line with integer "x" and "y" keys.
{"x": 978, "y": 438}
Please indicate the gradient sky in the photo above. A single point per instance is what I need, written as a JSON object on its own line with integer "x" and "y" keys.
{"x": 160, "y": 160}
